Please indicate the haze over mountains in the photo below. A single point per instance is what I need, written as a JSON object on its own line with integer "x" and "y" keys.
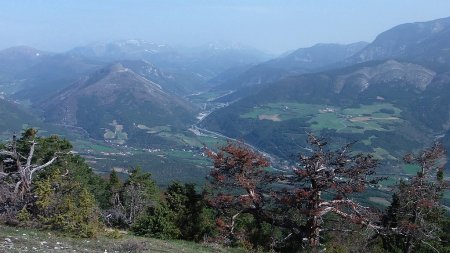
{"x": 300, "y": 61}
{"x": 391, "y": 94}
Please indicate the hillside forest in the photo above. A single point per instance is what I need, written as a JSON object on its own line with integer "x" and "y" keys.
{"x": 245, "y": 203}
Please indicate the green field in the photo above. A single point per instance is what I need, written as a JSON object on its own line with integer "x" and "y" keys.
{"x": 188, "y": 140}
{"x": 378, "y": 116}
{"x": 285, "y": 111}
{"x": 411, "y": 169}
{"x": 83, "y": 145}
{"x": 182, "y": 138}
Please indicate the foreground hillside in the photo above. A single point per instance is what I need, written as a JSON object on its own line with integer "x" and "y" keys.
{"x": 27, "y": 240}
{"x": 66, "y": 197}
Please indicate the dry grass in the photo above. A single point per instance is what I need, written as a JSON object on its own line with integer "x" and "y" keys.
{"x": 13, "y": 239}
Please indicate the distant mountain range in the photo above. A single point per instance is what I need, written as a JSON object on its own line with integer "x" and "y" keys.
{"x": 34, "y": 75}
{"x": 206, "y": 61}
{"x": 392, "y": 94}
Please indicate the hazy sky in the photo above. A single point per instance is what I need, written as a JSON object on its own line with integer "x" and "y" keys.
{"x": 271, "y": 25}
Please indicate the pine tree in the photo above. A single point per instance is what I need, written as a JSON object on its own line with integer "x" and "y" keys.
{"x": 140, "y": 193}
{"x": 192, "y": 216}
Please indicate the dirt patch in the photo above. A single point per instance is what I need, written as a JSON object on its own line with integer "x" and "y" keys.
{"x": 364, "y": 119}
{"x": 272, "y": 117}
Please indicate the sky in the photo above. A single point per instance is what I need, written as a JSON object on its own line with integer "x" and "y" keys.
{"x": 274, "y": 26}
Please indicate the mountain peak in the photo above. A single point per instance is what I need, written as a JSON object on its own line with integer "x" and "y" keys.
{"x": 407, "y": 41}
{"x": 117, "y": 94}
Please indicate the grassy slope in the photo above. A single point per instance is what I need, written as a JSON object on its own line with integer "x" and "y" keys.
{"x": 29, "y": 240}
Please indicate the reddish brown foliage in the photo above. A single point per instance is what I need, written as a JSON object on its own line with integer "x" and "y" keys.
{"x": 237, "y": 180}
{"x": 338, "y": 173}
{"x": 417, "y": 211}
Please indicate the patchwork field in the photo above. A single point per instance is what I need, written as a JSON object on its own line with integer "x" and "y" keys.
{"x": 183, "y": 138}
{"x": 379, "y": 116}
{"x": 285, "y": 111}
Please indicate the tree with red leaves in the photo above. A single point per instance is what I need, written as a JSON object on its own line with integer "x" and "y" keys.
{"x": 238, "y": 180}
{"x": 323, "y": 182}
{"x": 320, "y": 184}
{"x": 413, "y": 221}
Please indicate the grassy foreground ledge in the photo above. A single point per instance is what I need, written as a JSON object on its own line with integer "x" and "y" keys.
{"x": 14, "y": 239}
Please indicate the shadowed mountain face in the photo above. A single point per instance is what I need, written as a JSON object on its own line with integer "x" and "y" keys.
{"x": 117, "y": 96}
{"x": 301, "y": 61}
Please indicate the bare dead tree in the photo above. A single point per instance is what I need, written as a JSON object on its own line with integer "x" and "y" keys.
{"x": 19, "y": 177}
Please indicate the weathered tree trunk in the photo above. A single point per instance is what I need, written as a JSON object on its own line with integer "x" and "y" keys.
{"x": 410, "y": 240}
{"x": 25, "y": 170}
{"x": 313, "y": 223}
{"x": 314, "y": 234}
